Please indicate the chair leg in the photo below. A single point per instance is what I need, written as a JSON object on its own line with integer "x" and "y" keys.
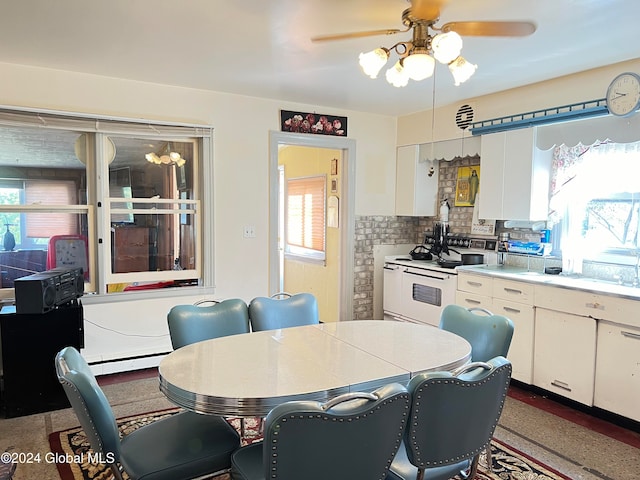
{"x": 489, "y": 458}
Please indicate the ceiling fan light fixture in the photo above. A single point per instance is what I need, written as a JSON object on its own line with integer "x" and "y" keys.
{"x": 419, "y": 64}
{"x": 153, "y": 158}
{"x": 373, "y": 61}
{"x": 397, "y": 76}
{"x": 461, "y": 70}
{"x": 446, "y": 46}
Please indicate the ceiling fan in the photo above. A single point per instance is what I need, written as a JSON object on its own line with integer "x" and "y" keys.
{"x": 416, "y": 61}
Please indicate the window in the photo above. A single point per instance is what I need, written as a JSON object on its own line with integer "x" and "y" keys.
{"x": 305, "y": 217}
{"x": 128, "y": 194}
{"x": 596, "y": 201}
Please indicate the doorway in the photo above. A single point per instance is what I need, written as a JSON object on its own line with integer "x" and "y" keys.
{"x": 341, "y": 217}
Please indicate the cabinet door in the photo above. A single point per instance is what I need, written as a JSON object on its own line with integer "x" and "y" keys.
{"x": 391, "y": 289}
{"x": 565, "y": 354}
{"x": 521, "y": 349}
{"x": 491, "y": 175}
{"x": 518, "y": 174}
{"x": 416, "y": 191}
{"x": 617, "y": 385}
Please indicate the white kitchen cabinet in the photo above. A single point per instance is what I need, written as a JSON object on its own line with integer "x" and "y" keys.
{"x": 514, "y": 300}
{"x": 514, "y": 176}
{"x": 392, "y": 289}
{"x": 511, "y": 299}
{"x": 416, "y": 191}
{"x": 617, "y": 383}
{"x": 565, "y": 354}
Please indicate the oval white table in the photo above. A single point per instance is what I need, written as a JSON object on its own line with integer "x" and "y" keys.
{"x": 249, "y": 374}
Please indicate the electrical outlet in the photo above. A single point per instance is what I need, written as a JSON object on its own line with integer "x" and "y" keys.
{"x": 249, "y": 231}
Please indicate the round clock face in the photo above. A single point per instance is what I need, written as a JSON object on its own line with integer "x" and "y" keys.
{"x": 623, "y": 94}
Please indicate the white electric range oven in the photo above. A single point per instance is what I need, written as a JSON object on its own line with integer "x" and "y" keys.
{"x": 418, "y": 290}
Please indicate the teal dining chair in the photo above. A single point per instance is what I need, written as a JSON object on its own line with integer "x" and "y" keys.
{"x": 452, "y": 420}
{"x": 353, "y": 436}
{"x": 489, "y": 335}
{"x": 178, "y": 447}
{"x": 194, "y": 323}
{"x": 283, "y": 310}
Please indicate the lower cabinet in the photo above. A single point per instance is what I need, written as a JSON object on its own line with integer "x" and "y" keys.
{"x": 565, "y": 354}
{"x": 521, "y": 349}
{"x": 617, "y": 383}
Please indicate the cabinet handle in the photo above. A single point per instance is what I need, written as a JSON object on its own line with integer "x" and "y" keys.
{"x": 635, "y": 336}
{"x": 595, "y": 305}
{"x": 512, "y": 310}
{"x": 474, "y": 284}
{"x": 474, "y": 302}
{"x": 562, "y": 385}
{"x": 512, "y": 290}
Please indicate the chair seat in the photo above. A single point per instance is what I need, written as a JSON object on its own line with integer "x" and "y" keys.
{"x": 247, "y": 463}
{"x": 184, "y": 445}
{"x": 402, "y": 469}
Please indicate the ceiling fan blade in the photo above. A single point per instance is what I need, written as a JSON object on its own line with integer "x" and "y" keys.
{"x": 489, "y": 29}
{"x": 343, "y": 36}
{"x": 427, "y": 9}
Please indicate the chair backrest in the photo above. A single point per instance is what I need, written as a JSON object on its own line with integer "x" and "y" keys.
{"x": 273, "y": 313}
{"x": 489, "y": 335}
{"x": 355, "y": 435}
{"x": 453, "y": 417}
{"x": 194, "y": 323}
{"x": 89, "y": 402}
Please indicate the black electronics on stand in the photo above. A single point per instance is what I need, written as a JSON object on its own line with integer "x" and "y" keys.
{"x": 44, "y": 291}
{"x": 29, "y": 343}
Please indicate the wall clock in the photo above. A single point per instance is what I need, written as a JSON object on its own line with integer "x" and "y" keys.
{"x": 623, "y": 94}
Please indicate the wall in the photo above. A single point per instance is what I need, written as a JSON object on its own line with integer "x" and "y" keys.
{"x": 301, "y": 276}
{"x": 241, "y": 186}
{"x": 580, "y": 87}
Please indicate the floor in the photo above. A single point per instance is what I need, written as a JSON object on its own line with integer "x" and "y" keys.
{"x": 576, "y": 443}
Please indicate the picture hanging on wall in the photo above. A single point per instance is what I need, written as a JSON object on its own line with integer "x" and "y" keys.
{"x": 467, "y": 186}
{"x": 301, "y": 122}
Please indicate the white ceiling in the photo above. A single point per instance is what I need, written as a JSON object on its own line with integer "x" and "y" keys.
{"x": 262, "y": 48}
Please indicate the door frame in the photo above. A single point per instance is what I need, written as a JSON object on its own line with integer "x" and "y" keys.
{"x": 346, "y": 194}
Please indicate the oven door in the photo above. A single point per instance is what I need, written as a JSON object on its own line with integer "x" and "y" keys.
{"x": 425, "y": 293}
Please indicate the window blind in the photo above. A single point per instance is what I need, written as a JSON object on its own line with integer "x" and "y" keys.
{"x": 50, "y": 192}
{"x": 306, "y": 212}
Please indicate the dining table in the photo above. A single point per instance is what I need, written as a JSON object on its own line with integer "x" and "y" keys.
{"x": 246, "y": 375}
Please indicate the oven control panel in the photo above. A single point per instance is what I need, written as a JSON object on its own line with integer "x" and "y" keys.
{"x": 462, "y": 241}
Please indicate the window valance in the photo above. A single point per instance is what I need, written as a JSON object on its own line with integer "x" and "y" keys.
{"x": 589, "y": 131}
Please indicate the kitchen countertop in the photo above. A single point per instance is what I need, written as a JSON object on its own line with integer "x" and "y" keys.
{"x": 573, "y": 282}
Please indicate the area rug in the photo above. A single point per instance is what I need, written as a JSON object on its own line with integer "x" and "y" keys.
{"x": 507, "y": 462}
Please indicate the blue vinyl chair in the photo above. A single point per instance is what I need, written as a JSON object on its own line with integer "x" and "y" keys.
{"x": 271, "y": 313}
{"x": 489, "y": 335}
{"x": 353, "y": 436}
{"x": 179, "y": 447}
{"x": 195, "y": 323}
{"x": 453, "y": 417}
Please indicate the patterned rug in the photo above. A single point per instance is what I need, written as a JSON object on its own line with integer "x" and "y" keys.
{"x": 507, "y": 463}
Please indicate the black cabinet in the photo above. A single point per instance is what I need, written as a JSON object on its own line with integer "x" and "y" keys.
{"x": 29, "y": 344}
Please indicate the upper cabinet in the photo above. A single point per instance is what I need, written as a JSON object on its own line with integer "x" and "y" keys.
{"x": 416, "y": 185}
{"x": 514, "y": 179}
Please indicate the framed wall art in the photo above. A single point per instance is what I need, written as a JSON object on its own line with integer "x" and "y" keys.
{"x": 320, "y": 124}
{"x": 467, "y": 185}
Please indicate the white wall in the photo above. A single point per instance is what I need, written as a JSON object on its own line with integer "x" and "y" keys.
{"x": 241, "y": 187}
{"x": 580, "y": 87}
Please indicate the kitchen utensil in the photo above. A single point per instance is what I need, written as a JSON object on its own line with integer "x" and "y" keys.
{"x": 553, "y": 270}
{"x": 449, "y": 263}
{"x": 472, "y": 258}
{"x": 420, "y": 253}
